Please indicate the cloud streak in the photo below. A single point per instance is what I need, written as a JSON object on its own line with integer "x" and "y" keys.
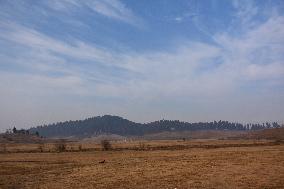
{"x": 113, "y": 9}
{"x": 180, "y": 70}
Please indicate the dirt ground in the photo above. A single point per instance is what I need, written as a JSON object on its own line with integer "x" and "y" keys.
{"x": 259, "y": 166}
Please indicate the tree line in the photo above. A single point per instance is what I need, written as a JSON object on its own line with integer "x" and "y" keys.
{"x": 120, "y": 126}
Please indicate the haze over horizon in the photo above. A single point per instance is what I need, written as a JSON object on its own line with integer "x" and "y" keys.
{"x": 142, "y": 60}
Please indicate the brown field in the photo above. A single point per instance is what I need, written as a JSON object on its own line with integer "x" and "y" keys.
{"x": 146, "y": 164}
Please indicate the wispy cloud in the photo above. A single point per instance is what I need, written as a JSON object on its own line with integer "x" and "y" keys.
{"x": 114, "y": 9}
{"x": 246, "y": 11}
{"x": 257, "y": 52}
{"x": 181, "y": 69}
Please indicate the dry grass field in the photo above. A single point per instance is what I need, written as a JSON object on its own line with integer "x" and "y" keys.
{"x": 146, "y": 164}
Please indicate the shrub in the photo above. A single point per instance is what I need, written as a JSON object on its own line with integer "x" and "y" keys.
{"x": 105, "y": 145}
{"x": 142, "y": 146}
{"x": 60, "y": 146}
{"x": 40, "y": 147}
{"x": 278, "y": 141}
{"x": 3, "y": 148}
{"x": 80, "y": 147}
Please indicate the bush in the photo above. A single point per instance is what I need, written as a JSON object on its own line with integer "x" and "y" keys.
{"x": 278, "y": 141}
{"x": 3, "y": 148}
{"x": 105, "y": 145}
{"x": 40, "y": 147}
{"x": 142, "y": 146}
{"x": 80, "y": 147}
{"x": 60, "y": 146}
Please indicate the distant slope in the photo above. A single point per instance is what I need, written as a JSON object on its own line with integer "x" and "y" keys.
{"x": 19, "y": 138}
{"x": 202, "y": 134}
{"x": 274, "y": 133}
{"x": 108, "y": 124}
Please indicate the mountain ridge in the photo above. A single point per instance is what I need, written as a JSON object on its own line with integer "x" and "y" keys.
{"x": 111, "y": 124}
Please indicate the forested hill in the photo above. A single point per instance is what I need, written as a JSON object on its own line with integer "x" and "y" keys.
{"x": 108, "y": 124}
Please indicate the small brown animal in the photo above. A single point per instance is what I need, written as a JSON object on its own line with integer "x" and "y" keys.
{"x": 102, "y": 161}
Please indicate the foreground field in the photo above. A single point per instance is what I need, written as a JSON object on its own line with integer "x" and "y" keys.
{"x": 259, "y": 166}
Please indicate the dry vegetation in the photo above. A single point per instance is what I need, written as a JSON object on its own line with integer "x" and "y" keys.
{"x": 145, "y": 164}
{"x": 275, "y": 133}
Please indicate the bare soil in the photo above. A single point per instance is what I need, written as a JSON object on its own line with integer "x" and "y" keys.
{"x": 146, "y": 164}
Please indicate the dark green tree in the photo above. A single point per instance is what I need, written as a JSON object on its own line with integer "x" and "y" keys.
{"x": 14, "y": 130}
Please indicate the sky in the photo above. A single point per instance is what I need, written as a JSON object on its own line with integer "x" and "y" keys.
{"x": 143, "y": 60}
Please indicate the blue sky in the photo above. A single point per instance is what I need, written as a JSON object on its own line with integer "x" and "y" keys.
{"x": 143, "y": 60}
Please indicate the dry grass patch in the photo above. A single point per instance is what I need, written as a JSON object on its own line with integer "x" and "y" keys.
{"x": 231, "y": 167}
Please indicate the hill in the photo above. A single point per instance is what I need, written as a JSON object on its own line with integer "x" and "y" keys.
{"x": 19, "y": 138}
{"x": 109, "y": 124}
{"x": 202, "y": 134}
{"x": 273, "y": 133}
